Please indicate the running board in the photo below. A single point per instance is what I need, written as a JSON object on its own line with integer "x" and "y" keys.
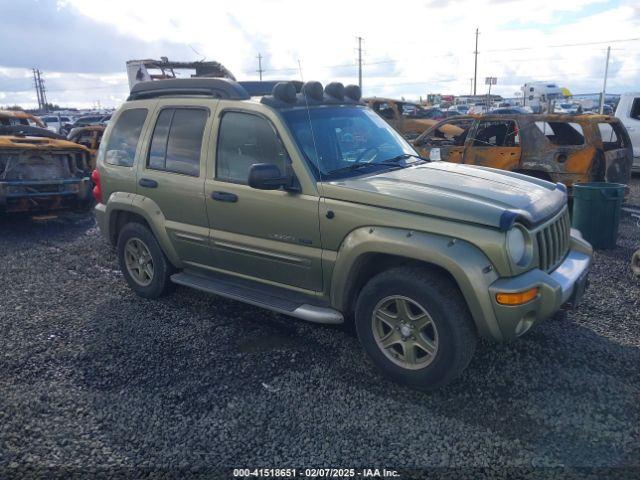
{"x": 261, "y": 295}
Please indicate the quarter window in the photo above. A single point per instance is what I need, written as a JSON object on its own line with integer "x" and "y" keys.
{"x": 177, "y": 141}
{"x": 123, "y": 141}
{"x": 244, "y": 140}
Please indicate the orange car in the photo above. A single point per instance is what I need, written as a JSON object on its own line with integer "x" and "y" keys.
{"x": 558, "y": 148}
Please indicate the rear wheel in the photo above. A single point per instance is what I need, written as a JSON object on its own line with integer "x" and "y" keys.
{"x": 415, "y": 326}
{"x": 142, "y": 261}
{"x": 635, "y": 263}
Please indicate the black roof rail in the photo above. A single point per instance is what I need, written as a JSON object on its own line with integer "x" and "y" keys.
{"x": 260, "y": 88}
{"x": 208, "y": 87}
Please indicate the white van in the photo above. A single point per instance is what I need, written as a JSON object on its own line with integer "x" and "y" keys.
{"x": 628, "y": 112}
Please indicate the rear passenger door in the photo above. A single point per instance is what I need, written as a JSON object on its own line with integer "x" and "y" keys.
{"x": 172, "y": 176}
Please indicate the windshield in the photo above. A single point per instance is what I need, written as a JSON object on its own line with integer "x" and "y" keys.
{"x": 347, "y": 138}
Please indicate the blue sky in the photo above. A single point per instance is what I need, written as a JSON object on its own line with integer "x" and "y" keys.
{"x": 412, "y": 48}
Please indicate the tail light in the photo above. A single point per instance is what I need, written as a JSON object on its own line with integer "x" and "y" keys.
{"x": 97, "y": 189}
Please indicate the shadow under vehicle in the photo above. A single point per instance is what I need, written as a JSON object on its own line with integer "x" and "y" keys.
{"x": 40, "y": 171}
{"x": 558, "y": 148}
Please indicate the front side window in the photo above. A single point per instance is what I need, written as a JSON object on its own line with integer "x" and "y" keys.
{"x": 244, "y": 140}
{"x": 497, "y": 134}
{"x": 337, "y": 141}
{"x": 177, "y": 141}
{"x": 123, "y": 140}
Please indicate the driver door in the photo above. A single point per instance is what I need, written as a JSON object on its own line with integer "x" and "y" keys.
{"x": 266, "y": 235}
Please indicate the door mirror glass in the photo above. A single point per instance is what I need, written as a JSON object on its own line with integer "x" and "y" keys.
{"x": 266, "y": 176}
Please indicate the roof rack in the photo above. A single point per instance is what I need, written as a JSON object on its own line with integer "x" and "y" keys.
{"x": 260, "y": 88}
{"x": 207, "y": 87}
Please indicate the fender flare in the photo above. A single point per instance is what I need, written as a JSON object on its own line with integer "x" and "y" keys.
{"x": 467, "y": 264}
{"x": 152, "y": 214}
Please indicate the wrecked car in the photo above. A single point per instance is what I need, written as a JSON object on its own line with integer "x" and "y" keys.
{"x": 41, "y": 171}
{"x": 410, "y": 119}
{"x": 557, "y": 148}
{"x": 90, "y": 137}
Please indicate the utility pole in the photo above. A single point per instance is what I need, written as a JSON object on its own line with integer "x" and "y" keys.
{"x": 259, "y": 57}
{"x": 37, "y": 86}
{"x": 38, "y": 82}
{"x": 475, "y": 67}
{"x": 360, "y": 62}
{"x": 42, "y": 90}
{"x": 604, "y": 85}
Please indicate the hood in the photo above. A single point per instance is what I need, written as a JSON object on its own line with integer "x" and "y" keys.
{"x": 465, "y": 193}
{"x": 38, "y": 143}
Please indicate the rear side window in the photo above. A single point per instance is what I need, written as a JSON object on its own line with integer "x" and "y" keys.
{"x": 635, "y": 109}
{"x": 123, "y": 141}
{"x": 177, "y": 141}
{"x": 611, "y": 136}
{"x": 497, "y": 134}
{"x": 244, "y": 140}
{"x": 562, "y": 133}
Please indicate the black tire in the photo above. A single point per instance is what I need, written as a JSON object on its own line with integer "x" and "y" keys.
{"x": 159, "y": 284}
{"x": 444, "y": 303}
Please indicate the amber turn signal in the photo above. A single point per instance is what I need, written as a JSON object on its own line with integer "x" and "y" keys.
{"x": 517, "y": 298}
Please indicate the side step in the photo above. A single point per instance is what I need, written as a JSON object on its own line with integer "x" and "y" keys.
{"x": 258, "y": 294}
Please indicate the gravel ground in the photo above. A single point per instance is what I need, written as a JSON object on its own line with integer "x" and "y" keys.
{"x": 93, "y": 377}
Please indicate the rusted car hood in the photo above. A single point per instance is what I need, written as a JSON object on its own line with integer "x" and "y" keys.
{"x": 458, "y": 192}
{"x": 38, "y": 143}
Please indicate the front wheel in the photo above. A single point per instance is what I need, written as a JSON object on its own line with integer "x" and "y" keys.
{"x": 415, "y": 326}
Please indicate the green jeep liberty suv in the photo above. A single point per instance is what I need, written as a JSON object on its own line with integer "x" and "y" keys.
{"x": 301, "y": 200}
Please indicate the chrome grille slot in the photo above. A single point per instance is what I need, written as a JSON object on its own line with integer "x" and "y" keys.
{"x": 553, "y": 242}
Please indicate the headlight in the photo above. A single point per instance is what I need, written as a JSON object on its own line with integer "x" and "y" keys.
{"x": 516, "y": 245}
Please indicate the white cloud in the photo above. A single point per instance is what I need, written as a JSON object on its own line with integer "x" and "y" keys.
{"x": 430, "y": 43}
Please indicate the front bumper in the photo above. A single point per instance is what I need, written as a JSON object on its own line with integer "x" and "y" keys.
{"x": 562, "y": 287}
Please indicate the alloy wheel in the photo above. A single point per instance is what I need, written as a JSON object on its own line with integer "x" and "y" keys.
{"x": 405, "y": 332}
{"x": 139, "y": 262}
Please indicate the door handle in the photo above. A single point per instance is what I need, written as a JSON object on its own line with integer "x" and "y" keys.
{"x": 224, "y": 197}
{"x": 147, "y": 183}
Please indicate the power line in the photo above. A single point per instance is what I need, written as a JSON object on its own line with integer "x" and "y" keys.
{"x": 563, "y": 45}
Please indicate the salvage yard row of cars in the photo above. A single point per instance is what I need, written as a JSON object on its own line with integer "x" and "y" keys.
{"x": 309, "y": 201}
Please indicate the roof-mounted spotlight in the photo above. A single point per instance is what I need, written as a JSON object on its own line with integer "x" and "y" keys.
{"x": 335, "y": 92}
{"x": 313, "y": 92}
{"x": 353, "y": 92}
{"x": 284, "y": 92}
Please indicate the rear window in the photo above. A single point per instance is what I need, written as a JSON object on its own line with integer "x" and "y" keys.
{"x": 123, "y": 140}
{"x": 562, "y": 133}
{"x": 612, "y": 138}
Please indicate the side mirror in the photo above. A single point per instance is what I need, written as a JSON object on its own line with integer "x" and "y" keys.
{"x": 266, "y": 176}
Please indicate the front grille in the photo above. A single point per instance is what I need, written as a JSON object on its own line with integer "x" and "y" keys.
{"x": 553, "y": 242}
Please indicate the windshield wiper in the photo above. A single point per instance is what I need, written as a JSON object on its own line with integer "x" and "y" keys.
{"x": 402, "y": 156}
{"x": 353, "y": 167}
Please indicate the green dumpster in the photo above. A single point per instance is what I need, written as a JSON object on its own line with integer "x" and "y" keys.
{"x": 596, "y": 212}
